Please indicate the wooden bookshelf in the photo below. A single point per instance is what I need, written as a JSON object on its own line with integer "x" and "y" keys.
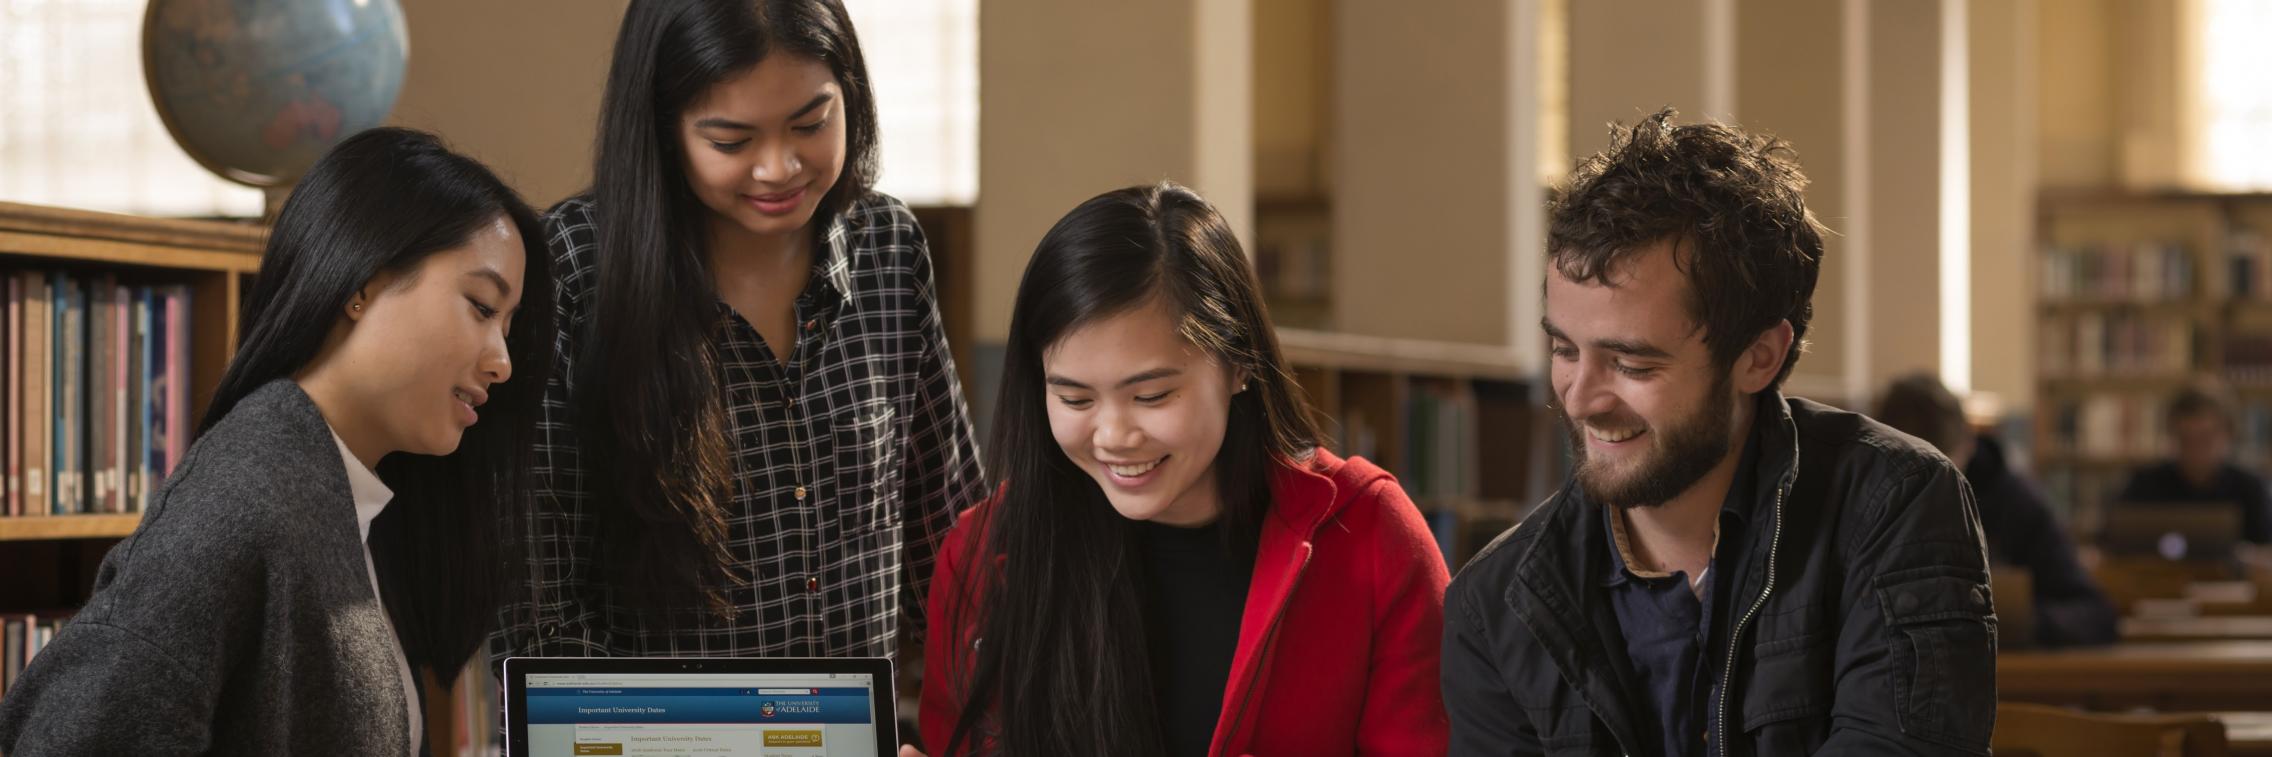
{"x": 1459, "y": 425}
{"x": 50, "y": 527}
{"x": 2138, "y": 294}
{"x": 50, "y": 561}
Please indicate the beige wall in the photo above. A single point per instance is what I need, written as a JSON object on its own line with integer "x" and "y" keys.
{"x": 1630, "y": 57}
{"x": 1905, "y": 190}
{"x": 1080, "y": 98}
{"x": 1293, "y": 74}
{"x": 514, "y": 83}
{"x": 1791, "y": 86}
{"x": 1435, "y": 191}
{"x": 2003, "y": 116}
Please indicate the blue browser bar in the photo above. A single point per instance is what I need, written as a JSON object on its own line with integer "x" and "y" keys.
{"x": 831, "y": 706}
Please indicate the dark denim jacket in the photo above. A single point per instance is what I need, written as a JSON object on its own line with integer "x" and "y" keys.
{"x": 1861, "y": 617}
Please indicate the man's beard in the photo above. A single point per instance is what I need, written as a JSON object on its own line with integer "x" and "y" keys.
{"x": 1679, "y": 454}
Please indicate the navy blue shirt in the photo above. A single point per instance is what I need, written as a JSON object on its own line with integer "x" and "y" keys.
{"x": 1672, "y": 633}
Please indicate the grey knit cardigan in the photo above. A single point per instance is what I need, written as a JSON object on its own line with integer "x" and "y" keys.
{"x": 237, "y": 619}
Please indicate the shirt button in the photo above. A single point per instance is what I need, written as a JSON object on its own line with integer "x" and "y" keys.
{"x": 812, "y": 324}
{"x": 800, "y": 494}
{"x": 812, "y": 584}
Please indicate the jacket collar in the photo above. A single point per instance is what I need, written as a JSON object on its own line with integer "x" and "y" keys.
{"x": 1305, "y": 496}
{"x": 1572, "y": 621}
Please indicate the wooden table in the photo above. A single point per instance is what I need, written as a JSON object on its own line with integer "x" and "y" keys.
{"x": 2202, "y": 676}
{"x": 2198, "y": 628}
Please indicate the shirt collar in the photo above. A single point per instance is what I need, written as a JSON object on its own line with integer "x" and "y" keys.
{"x": 834, "y": 264}
{"x": 371, "y": 494}
{"x": 1735, "y": 509}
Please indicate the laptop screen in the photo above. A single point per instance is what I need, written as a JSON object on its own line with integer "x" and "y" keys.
{"x": 707, "y": 713}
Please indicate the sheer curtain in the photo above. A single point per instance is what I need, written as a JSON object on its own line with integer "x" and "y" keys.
{"x": 76, "y": 125}
{"x": 2235, "y": 147}
{"x": 923, "y": 57}
{"x": 77, "y": 128}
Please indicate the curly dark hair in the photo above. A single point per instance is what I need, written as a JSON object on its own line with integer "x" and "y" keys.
{"x": 1729, "y": 200}
{"x": 1921, "y": 406}
{"x": 2201, "y": 397}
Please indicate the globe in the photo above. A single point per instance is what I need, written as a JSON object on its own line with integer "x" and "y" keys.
{"x": 257, "y": 90}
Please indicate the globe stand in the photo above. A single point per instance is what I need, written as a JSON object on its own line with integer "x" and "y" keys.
{"x": 272, "y": 202}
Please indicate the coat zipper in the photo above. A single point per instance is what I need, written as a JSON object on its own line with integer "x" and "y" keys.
{"x": 1262, "y": 654}
{"x": 1735, "y": 635}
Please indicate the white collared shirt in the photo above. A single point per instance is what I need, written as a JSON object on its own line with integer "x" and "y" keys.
{"x": 371, "y": 497}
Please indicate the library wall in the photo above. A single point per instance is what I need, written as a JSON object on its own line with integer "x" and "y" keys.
{"x": 1083, "y": 98}
{"x": 514, "y": 83}
{"x": 2077, "y": 52}
{"x": 1792, "y": 84}
{"x": 2003, "y": 125}
{"x": 1437, "y": 223}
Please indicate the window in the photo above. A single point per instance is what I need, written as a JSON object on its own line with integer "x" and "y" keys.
{"x": 2236, "y": 107}
{"x": 923, "y": 57}
{"x": 77, "y": 128}
{"x": 76, "y": 125}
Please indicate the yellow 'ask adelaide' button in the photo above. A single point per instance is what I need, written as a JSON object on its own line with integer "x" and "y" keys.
{"x": 792, "y": 738}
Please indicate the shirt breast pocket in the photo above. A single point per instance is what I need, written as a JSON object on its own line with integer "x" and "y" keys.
{"x": 868, "y": 477}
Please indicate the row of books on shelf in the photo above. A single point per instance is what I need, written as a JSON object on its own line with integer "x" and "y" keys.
{"x": 2107, "y": 426}
{"x": 21, "y": 637}
{"x": 2118, "y": 343}
{"x": 1462, "y": 534}
{"x": 2249, "y": 256}
{"x": 2080, "y": 494}
{"x": 96, "y": 403}
{"x": 1439, "y": 443}
{"x": 2248, "y": 358}
{"x": 2141, "y": 272}
{"x": 2132, "y": 427}
{"x": 476, "y": 696}
{"x": 1440, "y": 458}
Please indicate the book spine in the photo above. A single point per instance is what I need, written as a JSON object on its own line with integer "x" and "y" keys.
{"x": 15, "y": 400}
{"x": 155, "y": 451}
{"x": 139, "y": 482}
{"x": 38, "y": 402}
{"x": 177, "y": 376}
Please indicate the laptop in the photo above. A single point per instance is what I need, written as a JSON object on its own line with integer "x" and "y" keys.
{"x": 759, "y": 707}
{"x": 2193, "y": 531}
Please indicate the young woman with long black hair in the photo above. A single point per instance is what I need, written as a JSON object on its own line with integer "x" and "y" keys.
{"x": 1173, "y": 565}
{"x": 337, "y": 524}
{"x": 756, "y": 438}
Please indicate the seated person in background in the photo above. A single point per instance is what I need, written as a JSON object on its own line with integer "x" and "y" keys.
{"x": 2020, "y": 528}
{"x": 2201, "y": 430}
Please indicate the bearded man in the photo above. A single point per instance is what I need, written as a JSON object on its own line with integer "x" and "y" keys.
{"x": 1728, "y": 571}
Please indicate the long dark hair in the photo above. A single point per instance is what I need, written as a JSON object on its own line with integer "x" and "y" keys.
{"x": 381, "y": 202}
{"x": 1065, "y": 668}
{"x": 646, "y": 384}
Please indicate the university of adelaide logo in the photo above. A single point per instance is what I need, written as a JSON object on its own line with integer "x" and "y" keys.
{"x": 765, "y": 709}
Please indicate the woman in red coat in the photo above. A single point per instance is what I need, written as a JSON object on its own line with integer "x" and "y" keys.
{"x": 1172, "y": 565}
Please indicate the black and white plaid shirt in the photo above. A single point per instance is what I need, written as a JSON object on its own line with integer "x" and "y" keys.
{"x": 850, "y": 463}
